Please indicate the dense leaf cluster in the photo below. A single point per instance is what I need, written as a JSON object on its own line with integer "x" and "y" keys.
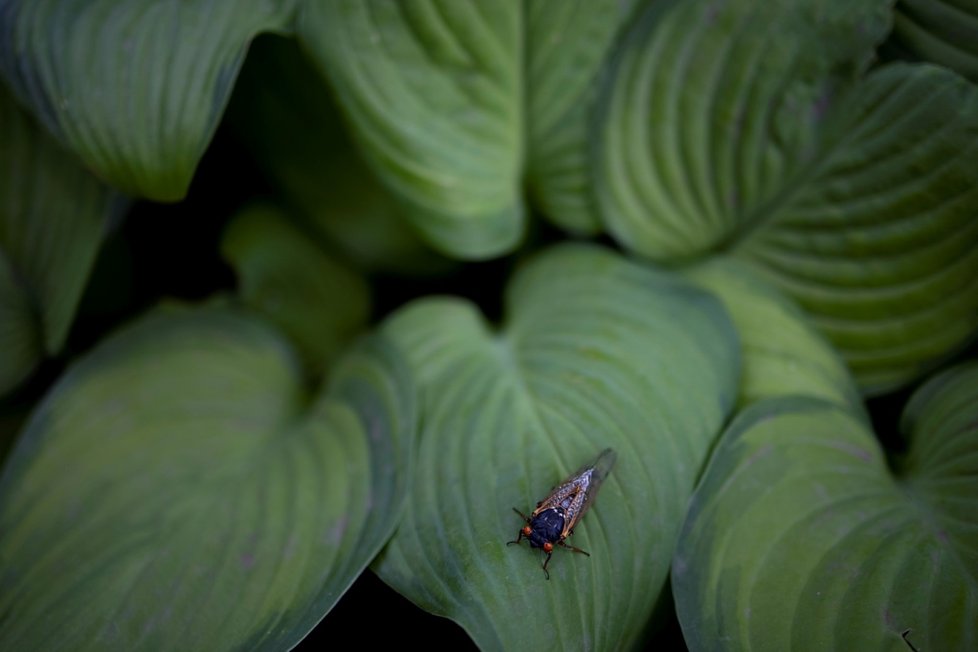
{"x": 729, "y": 224}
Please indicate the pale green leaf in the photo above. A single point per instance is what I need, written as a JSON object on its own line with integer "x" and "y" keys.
{"x": 135, "y": 87}
{"x": 567, "y": 44}
{"x": 783, "y": 354}
{"x": 179, "y": 490}
{"x": 595, "y": 352}
{"x": 318, "y": 302}
{"x": 799, "y": 537}
{"x": 457, "y": 104}
{"x": 53, "y": 216}
{"x": 746, "y": 128}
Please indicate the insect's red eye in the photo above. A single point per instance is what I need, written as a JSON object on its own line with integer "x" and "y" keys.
{"x": 527, "y": 530}
{"x": 548, "y": 547}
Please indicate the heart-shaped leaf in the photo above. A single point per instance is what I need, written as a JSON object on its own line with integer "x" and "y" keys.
{"x": 595, "y": 352}
{"x": 799, "y": 537}
{"x": 782, "y": 352}
{"x": 318, "y": 302}
{"x": 53, "y": 215}
{"x": 134, "y": 87}
{"x": 856, "y": 197}
{"x": 940, "y": 31}
{"x": 178, "y": 490}
{"x": 452, "y": 101}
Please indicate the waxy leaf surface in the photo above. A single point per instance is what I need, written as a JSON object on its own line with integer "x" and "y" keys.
{"x": 751, "y": 129}
{"x": 53, "y": 216}
{"x": 135, "y": 87}
{"x": 594, "y": 352}
{"x": 456, "y": 104}
{"x": 800, "y": 537}
{"x": 178, "y": 489}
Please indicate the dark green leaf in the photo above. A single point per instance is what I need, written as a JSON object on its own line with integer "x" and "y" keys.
{"x": 595, "y": 352}
{"x": 283, "y": 111}
{"x": 941, "y": 31}
{"x": 134, "y": 87}
{"x": 800, "y": 538}
{"x": 177, "y": 490}
{"x": 53, "y": 215}
{"x": 745, "y": 128}
{"x": 319, "y": 303}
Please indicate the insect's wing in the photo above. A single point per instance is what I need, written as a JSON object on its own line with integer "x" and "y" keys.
{"x": 588, "y": 480}
{"x": 602, "y": 466}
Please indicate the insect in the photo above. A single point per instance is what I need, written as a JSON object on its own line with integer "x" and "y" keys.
{"x": 555, "y": 516}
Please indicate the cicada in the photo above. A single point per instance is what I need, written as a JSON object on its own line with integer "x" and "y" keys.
{"x": 555, "y": 516}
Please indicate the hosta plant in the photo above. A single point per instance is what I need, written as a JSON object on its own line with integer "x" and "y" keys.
{"x": 300, "y": 294}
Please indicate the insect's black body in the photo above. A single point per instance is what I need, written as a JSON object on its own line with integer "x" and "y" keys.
{"x": 555, "y": 516}
{"x": 547, "y": 527}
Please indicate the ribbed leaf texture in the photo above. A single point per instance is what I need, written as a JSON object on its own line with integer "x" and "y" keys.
{"x": 135, "y": 87}
{"x": 178, "y": 490}
{"x": 595, "y": 352}
{"x": 748, "y": 128}
{"x": 799, "y": 537}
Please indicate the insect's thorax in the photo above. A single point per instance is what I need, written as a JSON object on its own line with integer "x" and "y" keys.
{"x": 547, "y": 526}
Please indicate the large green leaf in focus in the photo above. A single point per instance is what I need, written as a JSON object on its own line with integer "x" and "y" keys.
{"x": 455, "y": 103}
{"x": 595, "y": 352}
{"x": 318, "y": 302}
{"x": 283, "y": 112}
{"x": 799, "y": 537}
{"x": 53, "y": 215}
{"x": 941, "y": 31}
{"x": 744, "y": 128}
{"x": 783, "y": 353}
{"x": 179, "y": 490}
{"x": 135, "y": 87}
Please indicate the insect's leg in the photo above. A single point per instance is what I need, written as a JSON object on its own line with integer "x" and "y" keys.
{"x": 547, "y": 561}
{"x": 907, "y": 640}
{"x": 574, "y": 548}
{"x": 519, "y": 537}
{"x": 522, "y": 515}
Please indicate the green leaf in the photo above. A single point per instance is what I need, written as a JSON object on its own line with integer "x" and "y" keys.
{"x": 799, "y": 537}
{"x": 178, "y": 490}
{"x": 595, "y": 352}
{"x": 318, "y": 302}
{"x": 134, "y": 87}
{"x": 20, "y": 345}
{"x": 284, "y": 113}
{"x": 858, "y": 198}
{"x": 882, "y": 248}
{"x": 941, "y": 31}
{"x": 454, "y": 102}
{"x": 783, "y": 354}
{"x": 53, "y": 215}
{"x": 567, "y": 44}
